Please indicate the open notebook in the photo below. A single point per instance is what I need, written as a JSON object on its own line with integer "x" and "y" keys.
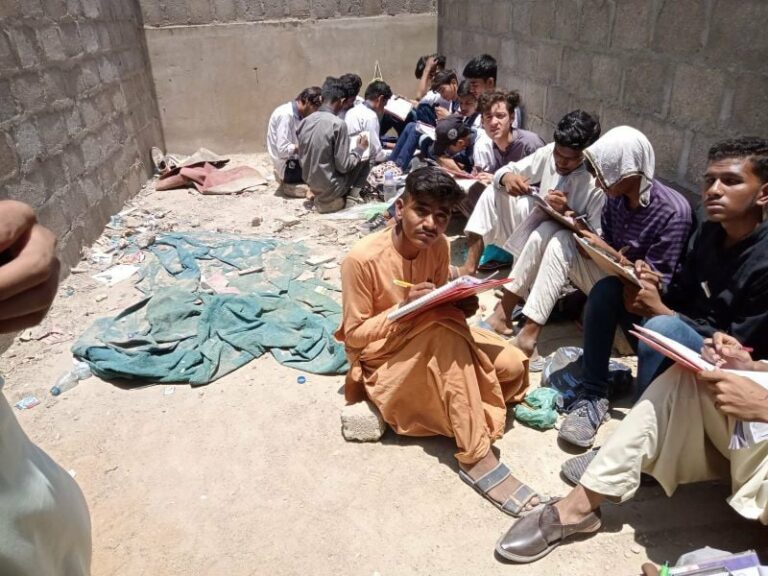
{"x": 453, "y": 291}
{"x": 745, "y": 434}
{"x": 398, "y": 107}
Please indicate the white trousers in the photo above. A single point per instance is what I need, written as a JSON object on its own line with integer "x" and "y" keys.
{"x": 675, "y": 434}
{"x": 497, "y": 214}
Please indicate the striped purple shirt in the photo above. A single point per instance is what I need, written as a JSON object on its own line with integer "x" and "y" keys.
{"x": 657, "y": 233}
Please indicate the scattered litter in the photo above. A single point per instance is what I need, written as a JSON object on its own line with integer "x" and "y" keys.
{"x": 146, "y": 240}
{"x": 70, "y": 379}
{"x": 27, "y": 402}
{"x": 283, "y": 223}
{"x": 301, "y": 379}
{"x": 250, "y": 270}
{"x": 42, "y": 333}
{"x": 116, "y": 274}
{"x": 330, "y": 265}
{"x": 194, "y": 223}
{"x": 72, "y": 472}
{"x": 101, "y": 297}
{"x": 306, "y": 275}
{"x": 169, "y": 390}
{"x": 317, "y": 260}
{"x": 67, "y": 291}
{"x": 100, "y": 258}
{"x": 257, "y": 221}
{"x": 77, "y": 270}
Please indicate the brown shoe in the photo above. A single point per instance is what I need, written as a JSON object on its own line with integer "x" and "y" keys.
{"x": 537, "y": 534}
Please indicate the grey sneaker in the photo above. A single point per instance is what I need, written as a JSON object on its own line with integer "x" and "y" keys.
{"x": 584, "y": 418}
{"x": 573, "y": 468}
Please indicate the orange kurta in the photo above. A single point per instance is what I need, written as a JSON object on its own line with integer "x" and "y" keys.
{"x": 431, "y": 374}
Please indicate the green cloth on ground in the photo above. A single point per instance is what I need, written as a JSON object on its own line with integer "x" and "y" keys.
{"x": 182, "y": 334}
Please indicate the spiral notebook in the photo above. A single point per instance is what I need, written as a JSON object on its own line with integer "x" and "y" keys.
{"x": 462, "y": 287}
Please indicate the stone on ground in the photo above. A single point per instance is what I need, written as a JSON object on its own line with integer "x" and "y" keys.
{"x": 361, "y": 422}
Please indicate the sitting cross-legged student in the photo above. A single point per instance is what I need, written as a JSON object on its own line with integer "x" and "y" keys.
{"x": 557, "y": 170}
{"x": 431, "y": 374}
{"x": 442, "y": 100}
{"x": 679, "y": 432}
{"x": 500, "y": 144}
{"x": 365, "y": 119}
{"x": 334, "y": 173}
{"x": 283, "y": 144}
{"x": 642, "y": 220}
{"x": 722, "y": 285}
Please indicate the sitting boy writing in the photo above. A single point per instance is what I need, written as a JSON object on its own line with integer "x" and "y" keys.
{"x": 432, "y": 374}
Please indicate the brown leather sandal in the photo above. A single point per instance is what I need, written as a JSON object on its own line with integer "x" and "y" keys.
{"x": 538, "y": 533}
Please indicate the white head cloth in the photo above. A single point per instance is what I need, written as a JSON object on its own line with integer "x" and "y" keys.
{"x": 623, "y": 151}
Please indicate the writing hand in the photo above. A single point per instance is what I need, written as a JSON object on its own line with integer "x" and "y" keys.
{"x": 515, "y": 184}
{"x": 418, "y": 290}
{"x": 725, "y": 351}
{"x": 557, "y": 200}
{"x": 736, "y": 396}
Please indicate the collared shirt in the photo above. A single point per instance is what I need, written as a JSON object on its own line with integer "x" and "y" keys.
{"x": 488, "y": 157}
{"x": 282, "y": 142}
{"x": 656, "y": 233}
{"x": 359, "y": 100}
{"x": 432, "y": 97}
{"x": 584, "y": 197}
{"x": 724, "y": 289}
{"x": 362, "y": 119}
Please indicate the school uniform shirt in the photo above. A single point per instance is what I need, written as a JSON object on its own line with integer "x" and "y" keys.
{"x": 361, "y": 119}
{"x": 359, "y": 100}
{"x": 488, "y": 157}
{"x": 433, "y": 98}
{"x": 282, "y": 142}
{"x": 723, "y": 288}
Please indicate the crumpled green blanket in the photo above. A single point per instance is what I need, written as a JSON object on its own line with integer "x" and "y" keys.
{"x": 182, "y": 334}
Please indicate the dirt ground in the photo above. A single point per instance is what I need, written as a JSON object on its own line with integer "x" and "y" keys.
{"x": 250, "y": 475}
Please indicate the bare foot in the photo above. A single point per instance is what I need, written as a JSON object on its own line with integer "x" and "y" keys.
{"x": 526, "y": 344}
{"x": 499, "y": 322}
{"x": 504, "y": 490}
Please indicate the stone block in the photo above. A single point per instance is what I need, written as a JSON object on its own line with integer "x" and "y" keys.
{"x": 51, "y": 214}
{"x": 697, "y": 157}
{"x": 53, "y": 132}
{"x": 8, "y": 60}
{"x": 371, "y": 8}
{"x": 737, "y": 33}
{"x": 199, "y": 11}
{"x": 74, "y": 164}
{"x": 10, "y": 9}
{"x": 29, "y": 189}
{"x": 74, "y": 8}
{"x": 422, "y": 7}
{"x": 647, "y": 85}
{"x": 70, "y": 39}
{"x": 750, "y": 105}
{"x": 680, "y": 27}
{"x": 249, "y": 11}
{"x": 27, "y": 142}
{"x": 28, "y": 92}
{"x": 24, "y": 40}
{"x": 697, "y": 95}
{"x": 668, "y": 141}
{"x": 54, "y": 9}
{"x": 324, "y": 8}
{"x": 152, "y": 11}
{"x": 595, "y": 22}
{"x": 50, "y": 40}
{"x": 547, "y": 62}
{"x": 534, "y": 97}
{"x": 631, "y": 26}
{"x": 107, "y": 71}
{"x": 606, "y": 77}
{"x": 92, "y": 151}
{"x": 223, "y": 10}
{"x": 91, "y": 8}
{"x": 566, "y": 21}
{"x": 301, "y": 9}
{"x": 8, "y": 106}
{"x": 521, "y": 16}
{"x": 9, "y": 162}
{"x": 501, "y": 12}
{"x": 32, "y": 8}
{"x": 613, "y": 116}
{"x": 361, "y": 422}
{"x": 87, "y": 77}
{"x": 558, "y": 104}
{"x": 543, "y": 19}
{"x": 89, "y": 37}
{"x": 576, "y": 70}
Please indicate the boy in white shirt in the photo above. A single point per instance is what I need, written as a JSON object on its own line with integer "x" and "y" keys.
{"x": 282, "y": 142}
{"x": 366, "y": 118}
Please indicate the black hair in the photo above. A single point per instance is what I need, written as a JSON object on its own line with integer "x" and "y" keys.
{"x": 352, "y": 84}
{"x": 431, "y": 183}
{"x": 311, "y": 95}
{"x": 488, "y": 99}
{"x": 482, "y": 67}
{"x": 752, "y": 147}
{"x": 444, "y": 77}
{"x": 464, "y": 91}
{"x": 378, "y": 88}
{"x": 333, "y": 90}
{"x": 422, "y": 63}
{"x": 577, "y": 130}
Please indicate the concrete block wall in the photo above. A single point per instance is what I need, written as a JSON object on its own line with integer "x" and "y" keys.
{"x": 222, "y": 66}
{"x": 685, "y": 72}
{"x": 78, "y": 112}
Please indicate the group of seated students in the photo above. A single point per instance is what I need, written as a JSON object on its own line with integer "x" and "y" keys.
{"x": 704, "y": 286}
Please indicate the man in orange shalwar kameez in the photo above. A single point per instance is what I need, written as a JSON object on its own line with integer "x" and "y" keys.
{"x": 431, "y": 374}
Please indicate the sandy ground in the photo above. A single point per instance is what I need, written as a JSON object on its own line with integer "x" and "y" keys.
{"x": 250, "y": 475}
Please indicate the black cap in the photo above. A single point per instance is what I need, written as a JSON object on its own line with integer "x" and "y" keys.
{"x": 448, "y": 131}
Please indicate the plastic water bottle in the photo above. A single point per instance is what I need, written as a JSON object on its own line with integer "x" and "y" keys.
{"x": 70, "y": 379}
{"x": 390, "y": 188}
